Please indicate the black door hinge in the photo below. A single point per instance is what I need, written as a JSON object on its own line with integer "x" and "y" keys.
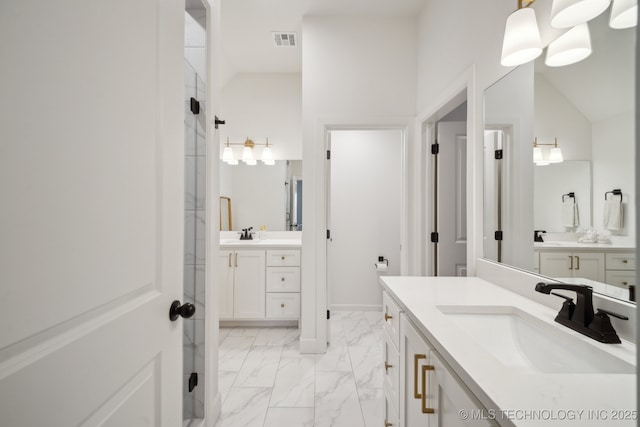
{"x": 193, "y": 381}
{"x": 435, "y": 148}
{"x": 498, "y": 155}
{"x": 328, "y": 234}
{"x": 195, "y": 106}
{"x": 435, "y": 237}
{"x": 498, "y": 235}
{"x": 328, "y": 315}
{"x": 328, "y": 154}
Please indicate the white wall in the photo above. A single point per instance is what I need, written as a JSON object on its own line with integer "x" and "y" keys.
{"x": 358, "y": 72}
{"x": 556, "y": 116}
{"x": 260, "y": 106}
{"x": 614, "y": 167}
{"x": 366, "y": 193}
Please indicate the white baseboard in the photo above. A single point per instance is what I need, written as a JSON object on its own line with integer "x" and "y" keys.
{"x": 312, "y": 346}
{"x": 257, "y": 323}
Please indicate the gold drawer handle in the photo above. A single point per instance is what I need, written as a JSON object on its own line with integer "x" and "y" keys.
{"x": 625, "y": 283}
{"x": 282, "y": 280}
{"x": 425, "y": 410}
{"x": 387, "y": 317}
{"x": 416, "y": 358}
{"x": 387, "y": 366}
{"x": 282, "y": 305}
{"x": 387, "y": 423}
{"x": 282, "y": 257}
{"x": 624, "y": 261}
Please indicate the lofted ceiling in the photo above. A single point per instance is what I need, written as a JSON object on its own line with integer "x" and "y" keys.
{"x": 247, "y": 26}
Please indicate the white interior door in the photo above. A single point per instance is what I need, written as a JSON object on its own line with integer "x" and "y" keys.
{"x": 452, "y": 199}
{"x": 91, "y": 183}
{"x": 364, "y": 214}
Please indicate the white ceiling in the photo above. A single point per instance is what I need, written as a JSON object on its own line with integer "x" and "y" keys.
{"x": 247, "y": 26}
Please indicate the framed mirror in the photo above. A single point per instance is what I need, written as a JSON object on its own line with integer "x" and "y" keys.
{"x": 269, "y": 196}
{"x": 572, "y": 221}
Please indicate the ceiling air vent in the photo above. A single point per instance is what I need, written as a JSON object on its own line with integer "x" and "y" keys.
{"x": 284, "y": 39}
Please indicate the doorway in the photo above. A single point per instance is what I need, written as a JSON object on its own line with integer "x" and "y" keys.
{"x": 448, "y": 204}
{"x": 364, "y": 208}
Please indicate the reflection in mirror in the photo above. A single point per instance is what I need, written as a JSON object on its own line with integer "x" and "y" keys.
{"x": 226, "y": 223}
{"x": 589, "y": 108}
{"x": 269, "y": 196}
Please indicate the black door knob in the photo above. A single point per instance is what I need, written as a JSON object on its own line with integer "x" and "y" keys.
{"x": 185, "y": 310}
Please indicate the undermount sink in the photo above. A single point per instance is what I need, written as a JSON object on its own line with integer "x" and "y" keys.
{"x": 520, "y": 340}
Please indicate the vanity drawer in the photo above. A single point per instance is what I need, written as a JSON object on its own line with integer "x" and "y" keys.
{"x": 283, "y": 279}
{"x": 621, "y": 261}
{"x": 391, "y": 313}
{"x": 283, "y": 305}
{"x": 284, "y": 257}
{"x": 392, "y": 371}
{"x": 622, "y": 279}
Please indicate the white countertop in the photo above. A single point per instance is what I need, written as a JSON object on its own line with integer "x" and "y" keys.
{"x": 578, "y": 245}
{"x": 522, "y": 393}
{"x": 261, "y": 243}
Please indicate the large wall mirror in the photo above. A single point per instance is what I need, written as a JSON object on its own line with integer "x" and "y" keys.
{"x": 572, "y": 221}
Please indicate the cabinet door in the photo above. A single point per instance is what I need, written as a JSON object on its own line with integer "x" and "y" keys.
{"x": 414, "y": 354}
{"x": 225, "y": 284}
{"x": 589, "y": 265}
{"x": 249, "y": 284}
{"x": 449, "y": 396}
{"x": 556, "y": 264}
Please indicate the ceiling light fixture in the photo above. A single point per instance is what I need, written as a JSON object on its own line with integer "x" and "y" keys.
{"x": 247, "y": 153}
{"x": 569, "y": 13}
{"x": 521, "y": 41}
{"x": 569, "y": 48}
{"x": 624, "y": 14}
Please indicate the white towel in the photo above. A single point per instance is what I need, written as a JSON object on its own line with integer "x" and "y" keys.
{"x": 613, "y": 214}
{"x": 569, "y": 213}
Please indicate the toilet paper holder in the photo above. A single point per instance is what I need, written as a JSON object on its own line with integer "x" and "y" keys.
{"x": 381, "y": 259}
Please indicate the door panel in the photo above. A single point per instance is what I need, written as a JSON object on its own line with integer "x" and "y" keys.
{"x": 91, "y": 179}
{"x": 452, "y": 198}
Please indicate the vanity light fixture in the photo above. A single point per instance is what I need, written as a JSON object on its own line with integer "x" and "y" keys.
{"x": 624, "y": 14}
{"x": 569, "y": 13}
{"x": 555, "y": 153}
{"x": 569, "y": 48}
{"x": 521, "y": 41}
{"x": 247, "y": 153}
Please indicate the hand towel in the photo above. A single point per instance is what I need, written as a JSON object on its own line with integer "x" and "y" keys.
{"x": 613, "y": 214}
{"x": 569, "y": 213}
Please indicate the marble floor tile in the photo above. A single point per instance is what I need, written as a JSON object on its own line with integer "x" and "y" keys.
{"x": 289, "y": 417}
{"x": 368, "y": 366}
{"x": 225, "y": 382}
{"x": 222, "y": 334}
{"x": 372, "y": 404}
{"x": 336, "y": 358}
{"x": 244, "y": 332}
{"x": 245, "y": 407}
{"x": 336, "y": 401}
{"x": 276, "y": 336}
{"x": 232, "y": 352}
{"x": 259, "y": 368}
{"x": 295, "y": 383}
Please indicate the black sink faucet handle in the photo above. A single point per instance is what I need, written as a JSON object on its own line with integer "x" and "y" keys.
{"x": 611, "y": 313}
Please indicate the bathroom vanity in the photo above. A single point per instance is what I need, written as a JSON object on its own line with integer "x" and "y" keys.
{"x": 463, "y": 351}
{"x": 259, "y": 280}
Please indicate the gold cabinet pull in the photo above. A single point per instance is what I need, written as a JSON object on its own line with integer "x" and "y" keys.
{"x": 236, "y": 259}
{"x": 230, "y": 259}
{"x": 577, "y": 263}
{"x": 387, "y": 317}
{"x": 282, "y": 279}
{"x": 282, "y": 305}
{"x": 416, "y": 358}
{"x": 425, "y": 410}
{"x": 571, "y": 259}
{"x": 282, "y": 258}
{"x": 624, "y": 261}
{"x": 387, "y": 423}
{"x": 625, "y": 283}
{"x": 387, "y": 366}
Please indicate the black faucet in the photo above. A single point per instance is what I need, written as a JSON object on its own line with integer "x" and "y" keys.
{"x": 537, "y": 235}
{"x": 580, "y": 316}
{"x": 246, "y": 234}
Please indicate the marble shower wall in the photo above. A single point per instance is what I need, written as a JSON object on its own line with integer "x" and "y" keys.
{"x": 194, "y": 241}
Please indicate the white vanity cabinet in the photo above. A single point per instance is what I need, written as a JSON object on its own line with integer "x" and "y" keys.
{"x": 620, "y": 269}
{"x": 420, "y": 389}
{"x": 242, "y": 284}
{"x": 283, "y": 284}
{"x": 586, "y": 265}
{"x": 431, "y": 393}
